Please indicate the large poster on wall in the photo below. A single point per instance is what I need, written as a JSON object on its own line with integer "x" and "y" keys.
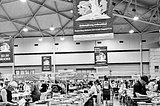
{"x": 100, "y": 56}
{"x": 6, "y": 49}
{"x": 92, "y": 18}
{"x": 46, "y": 63}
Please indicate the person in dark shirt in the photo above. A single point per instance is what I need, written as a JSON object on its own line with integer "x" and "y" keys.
{"x": 106, "y": 90}
{"x": 139, "y": 89}
{"x": 44, "y": 88}
{"x": 56, "y": 88}
{"x": 35, "y": 92}
{"x": 6, "y": 93}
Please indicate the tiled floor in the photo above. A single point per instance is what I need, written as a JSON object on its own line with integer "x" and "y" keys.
{"x": 115, "y": 103}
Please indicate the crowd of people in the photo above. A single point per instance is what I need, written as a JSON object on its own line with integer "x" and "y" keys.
{"x": 103, "y": 92}
{"x": 141, "y": 91}
{"x": 100, "y": 91}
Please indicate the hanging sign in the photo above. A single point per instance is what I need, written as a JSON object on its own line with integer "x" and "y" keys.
{"x": 100, "y": 56}
{"x": 46, "y": 63}
{"x": 6, "y": 49}
{"x": 92, "y": 19}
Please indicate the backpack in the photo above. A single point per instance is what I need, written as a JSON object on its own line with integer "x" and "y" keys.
{"x": 55, "y": 88}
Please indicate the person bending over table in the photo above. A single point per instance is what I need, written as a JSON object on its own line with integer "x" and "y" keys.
{"x": 139, "y": 89}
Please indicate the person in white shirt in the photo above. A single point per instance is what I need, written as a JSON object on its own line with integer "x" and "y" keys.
{"x": 93, "y": 92}
{"x": 99, "y": 93}
{"x": 6, "y": 93}
{"x": 27, "y": 88}
{"x": 152, "y": 85}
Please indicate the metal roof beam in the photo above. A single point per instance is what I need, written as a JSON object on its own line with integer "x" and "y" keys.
{"x": 59, "y": 18}
{"x": 118, "y": 4}
{"x": 132, "y": 25}
{"x": 8, "y": 17}
{"x": 62, "y": 27}
{"x": 158, "y": 4}
{"x": 22, "y": 23}
{"x": 123, "y": 16}
{"x": 64, "y": 1}
{"x": 35, "y": 19}
{"x": 146, "y": 28}
{"x": 43, "y": 14}
{"x": 127, "y": 7}
{"x": 147, "y": 8}
{"x": 5, "y": 1}
{"x": 36, "y": 1}
{"x": 36, "y": 29}
{"x": 31, "y": 18}
{"x": 140, "y": 5}
{"x": 148, "y": 11}
{"x": 33, "y": 27}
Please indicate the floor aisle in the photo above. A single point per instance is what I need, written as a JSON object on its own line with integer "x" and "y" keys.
{"x": 115, "y": 103}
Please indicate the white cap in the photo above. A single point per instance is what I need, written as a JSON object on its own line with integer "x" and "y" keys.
{"x": 13, "y": 83}
{"x": 157, "y": 78}
{"x": 1, "y": 82}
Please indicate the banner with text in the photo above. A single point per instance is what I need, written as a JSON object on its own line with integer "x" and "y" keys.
{"x": 24, "y": 71}
{"x": 6, "y": 49}
{"x": 93, "y": 18}
{"x": 100, "y": 56}
{"x": 46, "y": 63}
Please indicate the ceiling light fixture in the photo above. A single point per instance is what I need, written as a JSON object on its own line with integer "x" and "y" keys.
{"x": 25, "y": 29}
{"x": 71, "y": 11}
{"x": 40, "y": 39}
{"x": 62, "y": 38}
{"x": 135, "y": 18}
{"x": 131, "y": 31}
{"x": 23, "y": 0}
{"x": 52, "y": 28}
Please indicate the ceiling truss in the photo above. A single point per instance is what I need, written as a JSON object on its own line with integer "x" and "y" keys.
{"x": 149, "y": 15}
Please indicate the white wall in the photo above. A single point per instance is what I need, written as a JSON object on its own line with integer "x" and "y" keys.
{"x": 123, "y": 58}
{"x": 154, "y": 59}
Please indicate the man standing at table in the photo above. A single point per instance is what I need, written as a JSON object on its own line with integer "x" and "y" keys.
{"x": 106, "y": 91}
{"x": 139, "y": 89}
{"x": 7, "y": 93}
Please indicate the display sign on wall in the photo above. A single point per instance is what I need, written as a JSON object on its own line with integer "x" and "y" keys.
{"x": 156, "y": 68}
{"x": 6, "y": 49}
{"x": 31, "y": 77}
{"x": 100, "y": 56}
{"x": 46, "y": 63}
{"x": 24, "y": 71}
{"x": 93, "y": 18}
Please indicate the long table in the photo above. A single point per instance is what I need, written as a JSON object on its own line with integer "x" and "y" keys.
{"x": 19, "y": 95}
{"x": 65, "y": 100}
{"x": 129, "y": 100}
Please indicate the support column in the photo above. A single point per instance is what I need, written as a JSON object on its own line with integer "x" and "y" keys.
{"x": 54, "y": 60}
{"x": 141, "y": 55}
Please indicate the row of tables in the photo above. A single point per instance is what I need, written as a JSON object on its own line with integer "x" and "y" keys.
{"x": 70, "y": 99}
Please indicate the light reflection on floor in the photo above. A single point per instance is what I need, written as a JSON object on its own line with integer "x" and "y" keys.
{"x": 115, "y": 103}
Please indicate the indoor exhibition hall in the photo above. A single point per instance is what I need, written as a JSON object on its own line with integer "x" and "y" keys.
{"x": 79, "y": 52}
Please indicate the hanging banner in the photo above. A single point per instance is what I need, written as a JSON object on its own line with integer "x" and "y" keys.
{"x": 24, "y": 71}
{"x": 6, "y": 49}
{"x": 100, "y": 56}
{"x": 46, "y": 63}
{"x": 92, "y": 19}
